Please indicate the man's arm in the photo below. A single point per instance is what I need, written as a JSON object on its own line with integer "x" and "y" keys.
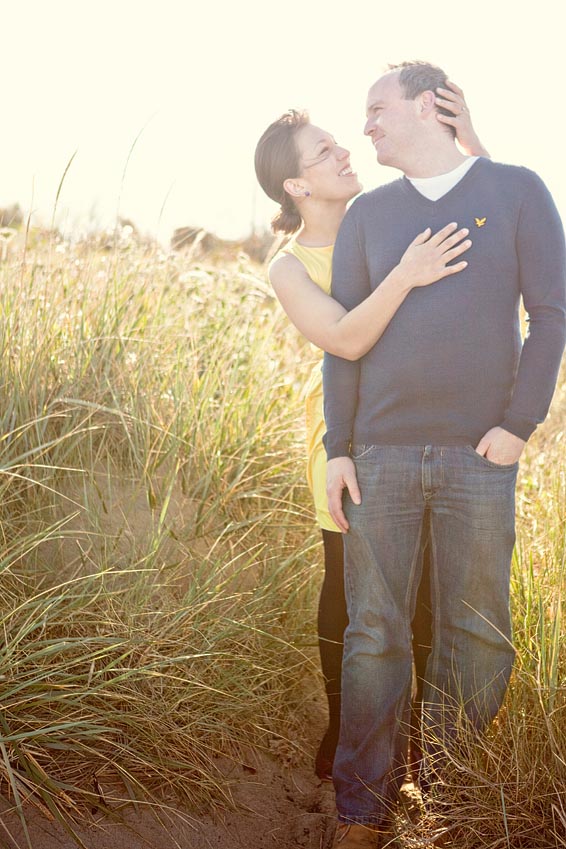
{"x": 350, "y": 285}
{"x": 542, "y": 262}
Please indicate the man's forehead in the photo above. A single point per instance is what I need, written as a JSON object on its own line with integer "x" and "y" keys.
{"x": 385, "y": 86}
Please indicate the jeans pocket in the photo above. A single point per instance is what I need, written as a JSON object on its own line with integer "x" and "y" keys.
{"x": 358, "y": 451}
{"x": 489, "y": 463}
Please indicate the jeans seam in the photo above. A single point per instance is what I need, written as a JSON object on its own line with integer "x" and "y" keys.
{"x": 362, "y": 820}
{"x": 412, "y": 585}
{"x": 434, "y": 584}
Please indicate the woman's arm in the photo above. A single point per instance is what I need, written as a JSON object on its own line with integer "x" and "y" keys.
{"x": 452, "y": 98}
{"x": 350, "y": 335}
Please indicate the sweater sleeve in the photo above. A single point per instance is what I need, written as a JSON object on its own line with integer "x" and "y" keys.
{"x": 350, "y": 286}
{"x": 542, "y": 263}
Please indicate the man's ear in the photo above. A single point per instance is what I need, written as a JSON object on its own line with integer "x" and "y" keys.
{"x": 294, "y": 188}
{"x": 427, "y": 102}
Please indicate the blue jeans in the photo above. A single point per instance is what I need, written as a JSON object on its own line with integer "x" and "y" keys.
{"x": 467, "y": 505}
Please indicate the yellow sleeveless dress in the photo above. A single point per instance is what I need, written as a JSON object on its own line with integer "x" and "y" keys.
{"x": 318, "y": 264}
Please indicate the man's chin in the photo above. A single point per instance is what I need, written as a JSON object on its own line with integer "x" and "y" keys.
{"x": 385, "y": 160}
{"x": 381, "y": 155}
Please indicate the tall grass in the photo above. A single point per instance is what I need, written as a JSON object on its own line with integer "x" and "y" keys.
{"x": 159, "y": 565}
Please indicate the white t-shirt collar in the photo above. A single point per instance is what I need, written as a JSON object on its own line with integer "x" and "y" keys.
{"x": 434, "y": 188}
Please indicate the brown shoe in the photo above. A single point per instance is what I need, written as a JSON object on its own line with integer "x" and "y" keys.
{"x": 353, "y": 836}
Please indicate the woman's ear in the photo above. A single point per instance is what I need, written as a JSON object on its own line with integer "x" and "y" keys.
{"x": 295, "y": 189}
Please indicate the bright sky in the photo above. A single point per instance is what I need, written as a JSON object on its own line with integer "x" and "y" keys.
{"x": 197, "y": 83}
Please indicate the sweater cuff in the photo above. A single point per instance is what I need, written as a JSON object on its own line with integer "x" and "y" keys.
{"x": 518, "y": 426}
{"x": 336, "y": 446}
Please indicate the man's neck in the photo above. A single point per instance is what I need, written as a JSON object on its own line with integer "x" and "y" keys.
{"x": 433, "y": 158}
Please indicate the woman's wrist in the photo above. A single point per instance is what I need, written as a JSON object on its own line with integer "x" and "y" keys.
{"x": 402, "y": 279}
{"x": 474, "y": 147}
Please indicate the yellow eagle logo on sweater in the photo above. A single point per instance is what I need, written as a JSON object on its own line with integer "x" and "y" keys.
{"x": 480, "y": 221}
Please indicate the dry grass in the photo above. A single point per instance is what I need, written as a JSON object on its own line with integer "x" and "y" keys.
{"x": 159, "y": 565}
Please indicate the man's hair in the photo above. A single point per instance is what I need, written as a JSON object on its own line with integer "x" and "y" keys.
{"x": 416, "y": 76}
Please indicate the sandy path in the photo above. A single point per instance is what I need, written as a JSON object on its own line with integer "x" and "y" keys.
{"x": 279, "y": 805}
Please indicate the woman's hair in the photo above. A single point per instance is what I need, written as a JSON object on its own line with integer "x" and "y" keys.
{"x": 277, "y": 160}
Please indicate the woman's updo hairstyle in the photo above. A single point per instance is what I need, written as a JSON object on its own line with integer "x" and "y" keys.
{"x": 277, "y": 160}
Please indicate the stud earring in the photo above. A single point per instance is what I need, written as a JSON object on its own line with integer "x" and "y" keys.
{"x": 307, "y": 194}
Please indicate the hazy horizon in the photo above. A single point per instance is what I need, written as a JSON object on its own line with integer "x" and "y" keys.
{"x": 181, "y": 94}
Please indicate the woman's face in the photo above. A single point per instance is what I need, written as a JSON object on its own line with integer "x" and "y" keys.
{"x": 325, "y": 166}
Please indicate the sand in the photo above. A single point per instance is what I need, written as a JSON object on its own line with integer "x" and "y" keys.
{"x": 279, "y": 803}
{"x": 278, "y": 806}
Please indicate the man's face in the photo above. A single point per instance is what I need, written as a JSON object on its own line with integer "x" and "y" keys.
{"x": 392, "y": 121}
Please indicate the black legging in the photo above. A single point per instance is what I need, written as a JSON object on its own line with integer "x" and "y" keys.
{"x": 332, "y": 622}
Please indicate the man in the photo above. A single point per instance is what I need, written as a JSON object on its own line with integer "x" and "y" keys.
{"x": 431, "y": 423}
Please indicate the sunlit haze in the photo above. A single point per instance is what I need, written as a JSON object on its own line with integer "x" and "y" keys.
{"x": 164, "y": 102}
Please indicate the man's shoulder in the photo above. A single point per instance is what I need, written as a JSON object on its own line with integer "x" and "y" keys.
{"x": 373, "y": 200}
{"x": 518, "y": 175}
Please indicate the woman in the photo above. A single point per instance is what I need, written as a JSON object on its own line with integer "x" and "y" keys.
{"x": 301, "y": 167}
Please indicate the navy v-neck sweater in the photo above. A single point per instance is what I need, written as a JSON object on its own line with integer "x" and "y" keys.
{"x": 451, "y": 363}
